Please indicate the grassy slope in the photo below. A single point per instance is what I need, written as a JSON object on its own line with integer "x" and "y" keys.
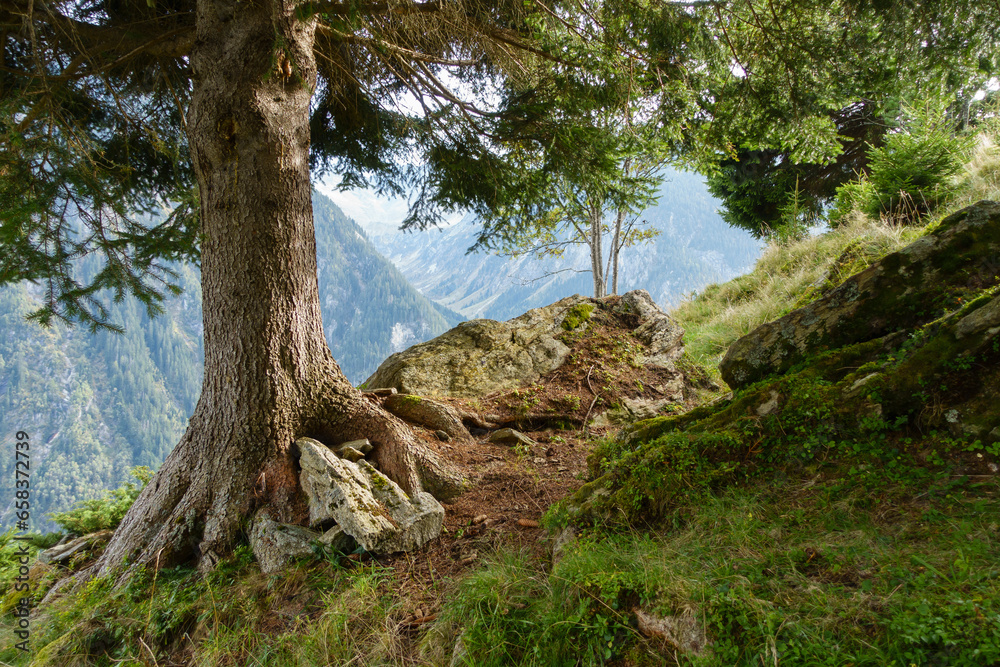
{"x": 866, "y": 550}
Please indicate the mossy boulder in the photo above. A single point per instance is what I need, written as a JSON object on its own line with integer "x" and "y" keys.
{"x": 902, "y": 291}
{"x": 480, "y": 357}
{"x": 925, "y": 400}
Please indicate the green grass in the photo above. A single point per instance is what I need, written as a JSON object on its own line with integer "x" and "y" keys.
{"x": 789, "y": 275}
{"x": 311, "y": 614}
{"x": 785, "y": 277}
{"x": 804, "y": 572}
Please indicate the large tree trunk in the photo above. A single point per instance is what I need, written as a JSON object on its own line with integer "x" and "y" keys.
{"x": 269, "y": 375}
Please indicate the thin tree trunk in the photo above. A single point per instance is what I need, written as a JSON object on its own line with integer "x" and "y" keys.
{"x": 269, "y": 375}
{"x": 596, "y": 252}
{"x": 615, "y": 248}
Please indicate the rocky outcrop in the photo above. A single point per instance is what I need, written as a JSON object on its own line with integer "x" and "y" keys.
{"x": 364, "y": 503}
{"x": 483, "y": 356}
{"x": 657, "y": 329}
{"x": 901, "y": 291}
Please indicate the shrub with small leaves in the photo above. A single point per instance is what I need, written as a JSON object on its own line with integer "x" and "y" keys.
{"x": 911, "y": 172}
{"x": 106, "y": 512}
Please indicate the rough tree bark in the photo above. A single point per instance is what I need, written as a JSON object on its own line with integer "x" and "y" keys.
{"x": 269, "y": 375}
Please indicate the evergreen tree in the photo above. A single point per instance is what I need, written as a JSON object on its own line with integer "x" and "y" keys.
{"x": 813, "y": 86}
{"x": 113, "y": 108}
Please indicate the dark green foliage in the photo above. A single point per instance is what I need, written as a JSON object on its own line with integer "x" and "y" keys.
{"x": 757, "y": 185}
{"x": 106, "y": 512}
{"x": 82, "y": 169}
{"x": 910, "y": 172}
{"x": 841, "y": 68}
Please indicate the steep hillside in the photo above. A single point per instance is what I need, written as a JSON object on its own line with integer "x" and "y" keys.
{"x": 838, "y": 511}
{"x": 96, "y": 405}
{"x": 695, "y": 247}
{"x": 369, "y": 309}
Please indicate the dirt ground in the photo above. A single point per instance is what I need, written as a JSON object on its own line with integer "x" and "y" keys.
{"x": 515, "y": 484}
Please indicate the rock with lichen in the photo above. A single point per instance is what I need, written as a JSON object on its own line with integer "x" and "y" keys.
{"x": 480, "y": 357}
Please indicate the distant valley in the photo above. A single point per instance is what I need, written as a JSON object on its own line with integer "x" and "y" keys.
{"x": 695, "y": 248}
{"x": 95, "y": 405}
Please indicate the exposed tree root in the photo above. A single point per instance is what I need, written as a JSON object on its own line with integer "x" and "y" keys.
{"x": 196, "y": 507}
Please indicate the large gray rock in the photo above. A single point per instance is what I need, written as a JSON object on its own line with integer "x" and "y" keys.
{"x": 659, "y": 331}
{"x": 366, "y": 504}
{"x": 901, "y": 291}
{"x": 483, "y": 356}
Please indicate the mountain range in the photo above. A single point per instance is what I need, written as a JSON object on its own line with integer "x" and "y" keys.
{"x": 95, "y": 405}
{"x": 695, "y": 247}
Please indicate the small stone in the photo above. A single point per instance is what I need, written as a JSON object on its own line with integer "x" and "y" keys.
{"x": 276, "y": 544}
{"x": 684, "y": 632}
{"x": 858, "y": 384}
{"x": 442, "y": 436}
{"x": 770, "y": 405}
{"x": 600, "y": 421}
{"x": 565, "y": 538}
{"x": 479, "y": 519}
{"x": 349, "y": 453}
{"x": 363, "y": 445}
{"x": 508, "y": 436}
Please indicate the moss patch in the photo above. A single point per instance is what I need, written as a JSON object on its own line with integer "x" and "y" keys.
{"x": 911, "y": 409}
{"x": 577, "y": 315}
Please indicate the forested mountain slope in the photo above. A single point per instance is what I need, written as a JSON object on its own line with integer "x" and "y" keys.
{"x": 695, "y": 247}
{"x": 95, "y": 405}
